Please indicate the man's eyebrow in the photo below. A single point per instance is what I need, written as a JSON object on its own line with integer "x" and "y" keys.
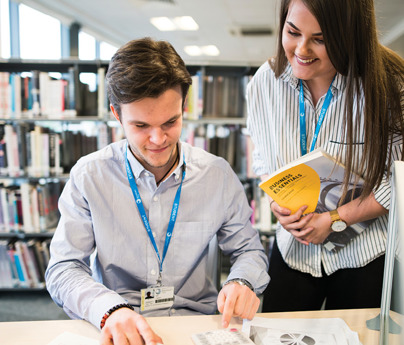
{"x": 296, "y": 28}
{"x": 173, "y": 118}
{"x": 137, "y": 122}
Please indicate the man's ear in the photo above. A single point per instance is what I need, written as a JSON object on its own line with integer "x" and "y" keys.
{"x": 115, "y": 113}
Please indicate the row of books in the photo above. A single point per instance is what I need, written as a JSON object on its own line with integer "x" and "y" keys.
{"x": 228, "y": 141}
{"x": 23, "y": 264}
{"x": 36, "y": 94}
{"x": 29, "y": 207}
{"x": 27, "y": 149}
{"x": 216, "y": 96}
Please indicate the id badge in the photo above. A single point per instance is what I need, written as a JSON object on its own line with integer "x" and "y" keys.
{"x": 159, "y": 297}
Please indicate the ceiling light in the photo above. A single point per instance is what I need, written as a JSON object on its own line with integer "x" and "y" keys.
{"x": 209, "y": 50}
{"x": 185, "y": 23}
{"x": 163, "y": 23}
{"x": 193, "y": 50}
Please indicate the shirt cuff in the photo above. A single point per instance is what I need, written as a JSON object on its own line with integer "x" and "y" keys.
{"x": 101, "y": 305}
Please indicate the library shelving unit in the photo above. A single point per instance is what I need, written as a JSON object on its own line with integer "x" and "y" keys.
{"x": 45, "y": 129}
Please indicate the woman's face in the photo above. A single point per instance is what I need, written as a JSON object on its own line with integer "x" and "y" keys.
{"x": 304, "y": 46}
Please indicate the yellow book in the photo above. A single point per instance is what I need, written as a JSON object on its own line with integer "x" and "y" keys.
{"x": 299, "y": 182}
{"x": 294, "y": 187}
{"x": 315, "y": 180}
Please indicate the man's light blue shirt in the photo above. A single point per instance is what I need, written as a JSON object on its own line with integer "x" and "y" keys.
{"x": 100, "y": 220}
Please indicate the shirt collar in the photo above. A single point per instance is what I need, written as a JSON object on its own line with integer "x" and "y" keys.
{"x": 288, "y": 77}
{"x": 138, "y": 169}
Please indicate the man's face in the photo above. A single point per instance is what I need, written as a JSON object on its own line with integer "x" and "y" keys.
{"x": 153, "y": 127}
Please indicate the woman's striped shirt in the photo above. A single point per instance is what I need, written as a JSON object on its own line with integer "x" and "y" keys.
{"x": 273, "y": 123}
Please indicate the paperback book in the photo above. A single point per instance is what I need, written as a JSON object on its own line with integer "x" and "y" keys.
{"x": 316, "y": 180}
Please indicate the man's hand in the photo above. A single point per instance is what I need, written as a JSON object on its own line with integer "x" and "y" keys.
{"x": 237, "y": 300}
{"x": 126, "y": 327}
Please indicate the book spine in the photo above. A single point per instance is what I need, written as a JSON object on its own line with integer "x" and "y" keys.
{"x": 26, "y": 207}
{"x": 22, "y": 270}
{"x": 35, "y": 94}
{"x": 101, "y": 93}
{"x": 13, "y": 267}
{"x": 31, "y": 266}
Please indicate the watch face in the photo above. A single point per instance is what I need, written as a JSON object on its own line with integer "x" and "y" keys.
{"x": 338, "y": 226}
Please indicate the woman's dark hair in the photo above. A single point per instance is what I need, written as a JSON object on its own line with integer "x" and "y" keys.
{"x": 350, "y": 36}
{"x": 145, "y": 68}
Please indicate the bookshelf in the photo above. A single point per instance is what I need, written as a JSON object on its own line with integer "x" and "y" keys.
{"x": 42, "y": 137}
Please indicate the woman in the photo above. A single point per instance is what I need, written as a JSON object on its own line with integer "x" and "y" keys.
{"x": 328, "y": 53}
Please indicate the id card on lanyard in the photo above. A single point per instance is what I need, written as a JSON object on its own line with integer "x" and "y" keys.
{"x": 156, "y": 296}
{"x": 302, "y": 116}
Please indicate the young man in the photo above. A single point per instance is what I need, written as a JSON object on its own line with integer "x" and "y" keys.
{"x": 147, "y": 208}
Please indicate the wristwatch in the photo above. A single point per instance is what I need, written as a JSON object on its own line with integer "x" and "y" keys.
{"x": 240, "y": 282}
{"x": 337, "y": 224}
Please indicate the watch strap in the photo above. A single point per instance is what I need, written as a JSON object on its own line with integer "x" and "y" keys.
{"x": 334, "y": 216}
{"x": 239, "y": 281}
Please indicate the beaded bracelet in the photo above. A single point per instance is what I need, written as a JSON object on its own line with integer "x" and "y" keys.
{"x": 110, "y": 311}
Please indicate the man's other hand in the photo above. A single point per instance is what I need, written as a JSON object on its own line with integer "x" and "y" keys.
{"x": 237, "y": 300}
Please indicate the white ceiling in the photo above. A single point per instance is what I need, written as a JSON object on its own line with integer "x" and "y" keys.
{"x": 220, "y": 23}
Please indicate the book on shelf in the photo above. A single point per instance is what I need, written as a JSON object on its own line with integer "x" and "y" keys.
{"x": 193, "y": 106}
{"x": 37, "y": 93}
{"x": 3, "y": 153}
{"x": 29, "y": 207}
{"x": 224, "y": 96}
{"x": 226, "y": 141}
{"x": 316, "y": 180}
{"x": 12, "y": 151}
{"x": 6, "y": 274}
{"x": 5, "y": 94}
{"x": 36, "y": 250}
{"x": 23, "y": 264}
{"x": 102, "y": 105}
{"x": 16, "y": 94}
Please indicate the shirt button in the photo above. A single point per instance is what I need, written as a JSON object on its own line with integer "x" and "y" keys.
{"x": 176, "y": 177}
{"x": 155, "y": 198}
{"x": 147, "y": 174}
{"x": 154, "y": 234}
{"x": 173, "y": 311}
{"x": 153, "y": 272}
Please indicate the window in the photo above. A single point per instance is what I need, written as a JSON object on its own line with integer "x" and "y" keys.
{"x": 106, "y": 51}
{"x": 39, "y": 35}
{"x": 87, "y": 46}
{"x": 40, "y": 38}
{"x": 4, "y": 30}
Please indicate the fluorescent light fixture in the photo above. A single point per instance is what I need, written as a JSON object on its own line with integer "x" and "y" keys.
{"x": 209, "y": 50}
{"x": 163, "y": 23}
{"x": 193, "y": 50}
{"x": 185, "y": 23}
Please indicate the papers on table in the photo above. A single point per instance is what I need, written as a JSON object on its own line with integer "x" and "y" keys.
{"x": 331, "y": 331}
{"x": 68, "y": 338}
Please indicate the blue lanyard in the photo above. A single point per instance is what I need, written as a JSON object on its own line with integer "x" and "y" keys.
{"x": 143, "y": 215}
{"x": 302, "y": 113}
